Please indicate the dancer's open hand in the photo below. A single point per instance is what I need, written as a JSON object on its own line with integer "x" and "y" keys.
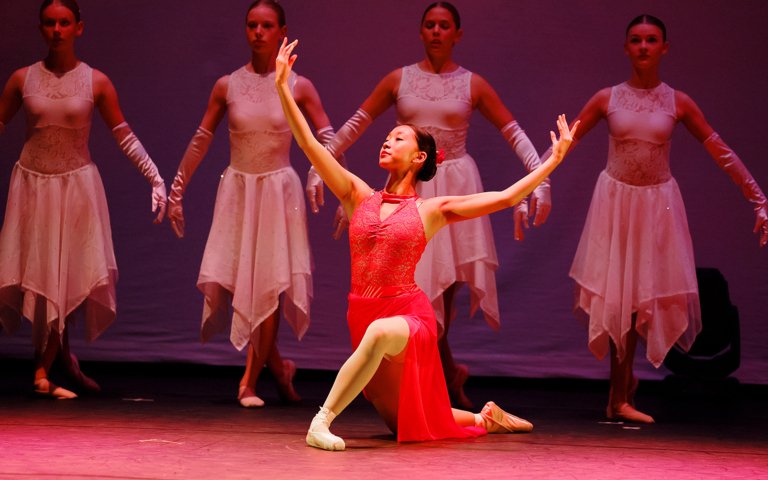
{"x": 284, "y": 61}
{"x": 561, "y": 145}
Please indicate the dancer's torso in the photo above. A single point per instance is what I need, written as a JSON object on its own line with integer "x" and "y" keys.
{"x": 640, "y": 123}
{"x": 439, "y": 103}
{"x": 59, "y": 110}
{"x": 259, "y": 135}
{"x": 384, "y": 253}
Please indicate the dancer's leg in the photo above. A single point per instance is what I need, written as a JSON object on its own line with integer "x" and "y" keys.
{"x": 383, "y": 337}
{"x": 257, "y": 357}
{"x": 43, "y": 362}
{"x": 623, "y": 383}
{"x": 72, "y": 365}
{"x": 283, "y": 370}
{"x": 455, "y": 374}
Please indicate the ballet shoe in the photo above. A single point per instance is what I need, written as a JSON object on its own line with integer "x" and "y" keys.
{"x": 248, "y": 398}
{"x": 46, "y": 388}
{"x": 84, "y": 381}
{"x": 497, "y": 420}
{"x": 625, "y": 411}
{"x": 456, "y": 388}
{"x": 319, "y": 435}
{"x": 285, "y": 384}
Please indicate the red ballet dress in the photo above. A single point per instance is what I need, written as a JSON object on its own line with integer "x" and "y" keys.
{"x": 408, "y": 390}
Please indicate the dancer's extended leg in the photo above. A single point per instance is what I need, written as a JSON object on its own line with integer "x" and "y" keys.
{"x": 383, "y": 337}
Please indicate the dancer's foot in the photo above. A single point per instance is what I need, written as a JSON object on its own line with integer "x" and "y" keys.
{"x": 84, "y": 381}
{"x": 319, "y": 435}
{"x": 48, "y": 389}
{"x": 456, "y": 387}
{"x": 625, "y": 411}
{"x": 496, "y": 420}
{"x": 285, "y": 383}
{"x": 248, "y": 399}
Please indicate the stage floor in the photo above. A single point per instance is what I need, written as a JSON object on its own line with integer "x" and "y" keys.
{"x": 181, "y": 421}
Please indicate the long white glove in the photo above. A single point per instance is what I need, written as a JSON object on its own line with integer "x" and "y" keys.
{"x": 731, "y": 164}
{"x": 541, "y": 199}
{"x": 349, "y": 133}
{"x": 314, "y": 187}
{"x": 194, "y": 154}
{"x": 134, "y": 150}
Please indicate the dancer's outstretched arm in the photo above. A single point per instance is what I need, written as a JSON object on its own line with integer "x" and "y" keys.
{"x": 348, "y": 188}
{"x": 440, "y": 211}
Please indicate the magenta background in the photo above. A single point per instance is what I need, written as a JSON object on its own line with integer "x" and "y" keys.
{"x": 543, "y": 58}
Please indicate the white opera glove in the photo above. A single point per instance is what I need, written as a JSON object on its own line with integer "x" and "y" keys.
{"x": 541, "y": 199}
{"x": 136, "y": 153}
{"x": 349, "y": 133}
{"x": 193, "y": 155}
{"x": 314, "y": 187}
{"x": 731, "y": 164}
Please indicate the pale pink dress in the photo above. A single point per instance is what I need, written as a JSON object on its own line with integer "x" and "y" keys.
{"x": 258, "y": 247}
{"x": 463, "y": 251}
{"x": 635, "y": 254}
{"x": 56, "y": 250}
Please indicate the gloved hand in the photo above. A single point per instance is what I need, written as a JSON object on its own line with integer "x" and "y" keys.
{"x": 731, "y": 164}
{"x": 541, "y": 199}
{"x": 134, "y": 150}
{"x": 194, "y": 154}
{"x": 315, "y": 190}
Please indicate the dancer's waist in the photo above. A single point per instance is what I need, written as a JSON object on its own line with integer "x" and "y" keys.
{"x": 376, "y": 291}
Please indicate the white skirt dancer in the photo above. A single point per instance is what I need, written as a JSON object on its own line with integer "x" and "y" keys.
{"x": 635, "y": 256}
{"x": 257, "y": 249}
{"x": 461, "y": 252}
{"x": 56, "y": 253}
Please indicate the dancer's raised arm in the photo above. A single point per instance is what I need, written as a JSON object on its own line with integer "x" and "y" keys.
{"x": 444, "y": 210}
{"x": 347, "y": 187}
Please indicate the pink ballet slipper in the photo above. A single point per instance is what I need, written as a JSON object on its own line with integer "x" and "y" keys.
{"x": 48, "y": 389}
{"x": 496, "y": 420}
{"x": 248, "y": 399}
{"x": 625, "y": 411}
{"x": 319, "y": 434}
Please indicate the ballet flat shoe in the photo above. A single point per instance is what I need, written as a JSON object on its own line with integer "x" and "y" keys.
{"x": 503, "y": 422}
{"x": 248, "y": 398}
{"x": 48, "y": 389}
{"x": 325, "y": 441}
{"x": 627, "y": 412}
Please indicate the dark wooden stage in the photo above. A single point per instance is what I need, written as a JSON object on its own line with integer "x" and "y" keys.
{"x": 181, "y": 421}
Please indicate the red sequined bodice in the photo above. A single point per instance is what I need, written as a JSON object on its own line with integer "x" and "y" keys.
{"x": 385, "y": 252}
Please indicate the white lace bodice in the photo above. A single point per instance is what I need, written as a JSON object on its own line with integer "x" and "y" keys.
{"x": 259, "y": 135}
{"x": 59, "y": 110}
{"x": 439, "y": 103}
{"x": 640, "y": 123}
